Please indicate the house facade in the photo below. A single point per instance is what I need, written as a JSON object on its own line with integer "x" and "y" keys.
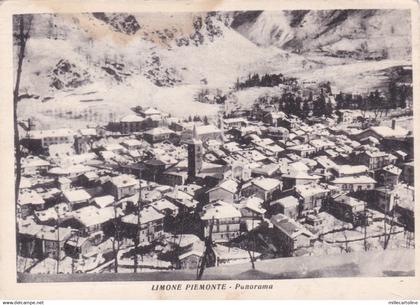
{"x": 222, "y": 219}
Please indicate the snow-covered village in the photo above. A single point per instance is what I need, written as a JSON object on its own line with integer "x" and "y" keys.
{"x": 189, "y": 142}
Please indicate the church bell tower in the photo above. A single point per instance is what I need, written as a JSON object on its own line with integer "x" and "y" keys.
{"x": 195, "y": 152}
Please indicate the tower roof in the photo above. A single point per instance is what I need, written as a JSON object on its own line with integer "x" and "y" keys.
{"x": 195, "y": 134}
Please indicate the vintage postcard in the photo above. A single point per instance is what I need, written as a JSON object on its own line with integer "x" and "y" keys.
{"x": 209, "y": 149}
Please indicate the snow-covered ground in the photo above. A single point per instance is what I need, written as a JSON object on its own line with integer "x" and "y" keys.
{"x": 157, "y": 72}
{"x": 352, "y": 77}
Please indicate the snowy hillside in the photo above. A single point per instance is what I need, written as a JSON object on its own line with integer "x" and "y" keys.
{"x": 107, "y": 63}
{"x": 353, "y": 33}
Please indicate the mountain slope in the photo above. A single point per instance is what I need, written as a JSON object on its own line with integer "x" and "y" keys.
{"x": 93, "y": 67}
{"x": 355, "y": 33}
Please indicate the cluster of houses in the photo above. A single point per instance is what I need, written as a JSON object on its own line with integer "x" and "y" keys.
{"x": 172, "y": 185}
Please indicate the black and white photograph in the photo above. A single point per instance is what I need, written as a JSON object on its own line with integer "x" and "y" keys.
{"x": 213, "y": 145}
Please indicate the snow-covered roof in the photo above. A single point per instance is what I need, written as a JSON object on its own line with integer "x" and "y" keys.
{"x": 289, "y": 227}
{"x": 302, "y": 175}
{"x": 277, "y": 114}
{"x": 28, "y": 227}
{"x": 392, "y": 169}
{"x": 192, "y": 252}
{"x": 401, "y": 153}
{"x": 234, "y": 120}
{"x": 104, "y": 201}
{"x": 52, "y": 233}
{"x": 158, "y": 131}
{"x": 325, "y": 162}
{"x": 91, "y": 175}
{"x": 231, "y": 146}
{"x": 113, "y": 147}
{"x": 132, "y": 142}
{"x": 354, "y": 180}
{"x": 375, "y": 153}
{"x": 88, "y": 131}
{"x": 278, "y": 129}
{"x": 352, "y": 169}
{"x": 266, "y": 169}
{"x": 131, "y": 118}
{"x": 25, "y": 183}
{"x": 229, "y": 185}
{"x": 254, "y": 204}
{"x": 91, "y": 215}
{"x": 302, "y": 147}
{"x": 232, "y": 253}
{"x": 34, "y": 162}
{"x": 79, "y": 158}
{"x": 299, "y": 166}
{"x": 265, "y": 141}
{"x": 147, "y": 215}
{"x": 179, "y": 195}
{"x": 319, "y": 143}
{"x": 253, "y": 155}
{"x": 306, "y": 190}
{"x": 151, "y": 111}
{"x": 348, "y": 200}
{"x": 273, "y": 148}
{"x": 219, "y": 210}
{"x": 40, "y": 134}
{"x": 53, "y": 213}
{"x": 405, "y": 197}
{"x": 332, "y": 153}
{"x": 124, "y": 181}
{"x": 184, "y": 240}
{"x": 266, "y": 184}
{"x": 371, "y": 139}
{"x": 30, "y": 197}
{"x": 206, "y": 129}
{"x": 212, "y": 142}
{"x": 388, "y": 132}
{"x": 163, "y": 204}
{"x": 76, "y": 195}
{"x": 287, "y": 202}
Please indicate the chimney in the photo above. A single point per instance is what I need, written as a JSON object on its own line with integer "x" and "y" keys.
{"x": 393, "y": 124}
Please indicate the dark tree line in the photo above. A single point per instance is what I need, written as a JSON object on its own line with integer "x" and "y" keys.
{"x": 21, "y": 33}
{"x": 197, "y": 118}
{"x": 255, "y": 80}
{"x": 292, "y": 103}
{"x": 206, "y": 96}
{"x": 396, "y": 96}
{"x": 322, "y": 106}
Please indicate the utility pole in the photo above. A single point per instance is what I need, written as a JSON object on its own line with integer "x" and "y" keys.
{"x": 138, "y": 231}
{"x": 387, "y": 235}
{"x": 252, "y": 253}
{"x": 73, "y": 261}
{"x": 207, "y": 251}
{"x": 58, "y": 240}
{"x": 365, "y": 224}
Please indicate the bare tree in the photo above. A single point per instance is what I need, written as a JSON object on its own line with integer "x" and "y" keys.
{"x": 346, "y": 240}
{"x": 116, "y": 241}
{"x": 21, "y": 32}
{"x": 138, "y": 231}
{"x": 409, "y": 238}
{"x": 58, "y": 239}
{"x": 207, "y": 252}
{"x": 252, "y": 253}
{"x": 388, "y": 231}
